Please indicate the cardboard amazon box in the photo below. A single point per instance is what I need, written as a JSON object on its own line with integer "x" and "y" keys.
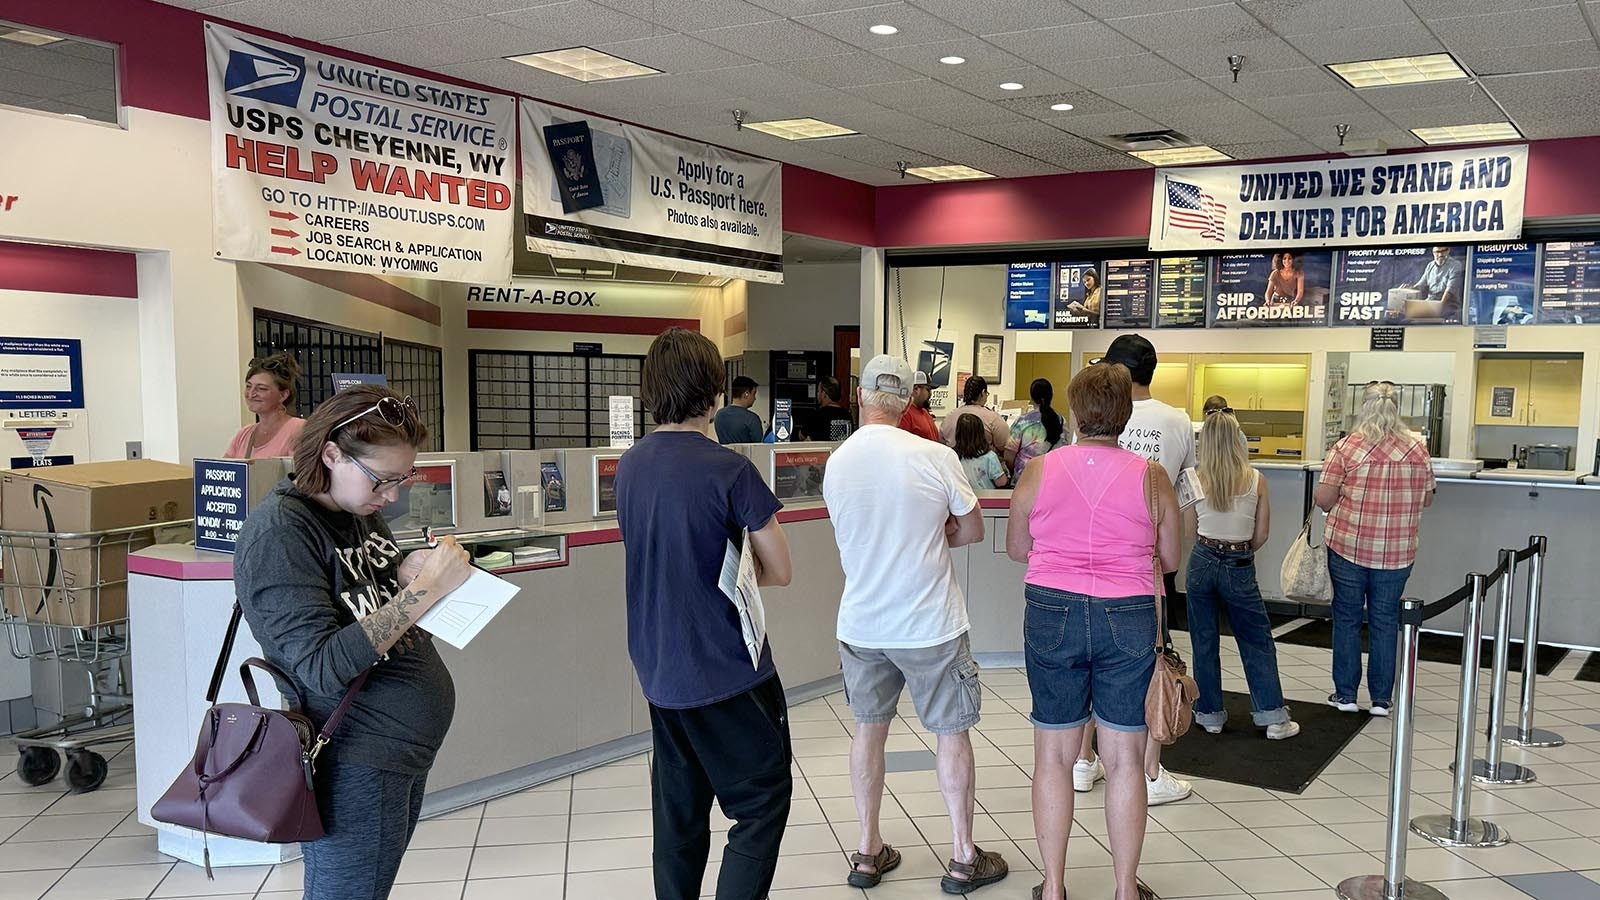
{"x": 83, "y": 580}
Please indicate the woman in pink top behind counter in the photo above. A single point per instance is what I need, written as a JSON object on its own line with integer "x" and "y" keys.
{"x": 269, "y": 392}
{"x": 1081, "y": 519}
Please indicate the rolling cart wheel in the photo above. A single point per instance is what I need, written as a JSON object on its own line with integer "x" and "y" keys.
{"x": 37, "y": 765}
{"x": 86, "y": 771}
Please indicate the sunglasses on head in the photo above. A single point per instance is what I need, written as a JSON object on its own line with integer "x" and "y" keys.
{"x": 395, "y": 411}
{"x": 1221, "y": 409}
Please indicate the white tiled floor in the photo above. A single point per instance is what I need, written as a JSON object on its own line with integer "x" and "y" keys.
{"x": 588, "y": 837}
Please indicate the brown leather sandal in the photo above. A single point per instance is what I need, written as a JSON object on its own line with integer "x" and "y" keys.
{"x": 1038, "y": 891}
{"x": 985, "y": 869}
{"x": 1145, "y": 893}
{"x": 882, "y": 863}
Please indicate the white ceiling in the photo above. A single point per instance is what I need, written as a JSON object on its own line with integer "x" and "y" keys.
{"x": 1125, "y": 65}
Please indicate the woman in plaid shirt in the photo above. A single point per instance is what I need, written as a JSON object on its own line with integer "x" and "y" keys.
{"x": 1376, "y": 482}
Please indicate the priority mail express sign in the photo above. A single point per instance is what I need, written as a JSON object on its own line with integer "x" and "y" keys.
{"x": 1444, "y": 197}
{"x": 324, "y": 162}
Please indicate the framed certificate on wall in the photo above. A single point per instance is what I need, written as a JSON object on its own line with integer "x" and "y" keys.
{"x": 986, "y": 355}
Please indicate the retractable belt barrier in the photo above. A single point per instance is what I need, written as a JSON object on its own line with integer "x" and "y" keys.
{"x": 1526, "y": 735}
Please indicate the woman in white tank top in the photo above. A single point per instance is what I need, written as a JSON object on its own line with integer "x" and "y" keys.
{"x": 1232, "y": 524}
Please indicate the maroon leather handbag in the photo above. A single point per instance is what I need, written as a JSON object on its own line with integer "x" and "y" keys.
{"x": 253, "y": 767}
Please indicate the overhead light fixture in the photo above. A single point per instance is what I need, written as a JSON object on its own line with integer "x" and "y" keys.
{"x": 800, "y": 129}
{"x": 947, "y": 173}
{"x": 884, "y": 30}
{"x": 1061, "y": 107}
{"x": 1466, "y": 134}
{"x": 584, "y": 64}
{"x": 952, "y": 60}
{"x": 1399, "y": 70}
{"x": 1177, "y": 156}
{"x": 30, "y": 38}
{"x": 1010, "y": 86}
{"x": 586, "y": 271}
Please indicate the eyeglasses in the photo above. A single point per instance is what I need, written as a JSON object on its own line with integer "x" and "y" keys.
{"x": 379, "y": 485}
{"x": 1220, "y": 409}
{"x": 393, "y": 410}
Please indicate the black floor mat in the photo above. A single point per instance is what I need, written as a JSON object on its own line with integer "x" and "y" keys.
{"x": 1439, "y": 648}
{"x": 1591, "y": 668}
{"x": 1241, "y": 754}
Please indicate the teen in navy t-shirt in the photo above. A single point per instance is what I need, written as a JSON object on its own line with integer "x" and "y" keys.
{"x": 719, "y": 724}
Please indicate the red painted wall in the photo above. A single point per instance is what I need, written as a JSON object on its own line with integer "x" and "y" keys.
{"x": 68, "y": 270}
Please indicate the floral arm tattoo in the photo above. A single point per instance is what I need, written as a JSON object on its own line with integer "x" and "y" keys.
{"x": 385, "y": 626}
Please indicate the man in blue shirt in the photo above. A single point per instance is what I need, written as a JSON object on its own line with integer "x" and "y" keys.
{"x": 719, "y": 722}
{"x": 735, "y": 423}
{"x": 1442, "y": 279}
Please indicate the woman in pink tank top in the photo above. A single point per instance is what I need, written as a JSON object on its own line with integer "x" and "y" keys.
{"x": 1081, "y": 519}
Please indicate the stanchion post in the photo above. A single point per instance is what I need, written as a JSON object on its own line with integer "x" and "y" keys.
{"x": 1393, "y": 883}
{"x": 1491, "y": 769}
{"x": 1527, "y": 735}
{"x": 1457, "y": 828}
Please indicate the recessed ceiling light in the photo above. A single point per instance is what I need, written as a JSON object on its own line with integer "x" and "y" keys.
{"x": 1177, "y": 156}
{"x": 952, "y": 60}
{"x": 884, "y": 29}
{"x": 587, "y": 271}
{"x": 1010, "y": 86}
{"x": 1399, "y": 70}
{"x": 1463, "y": 134}
{"x": 947, "y": 173}
{"x": 800, "y": 129}
{"x": 1061, "y": 107}
{"x": 31, "y": 38}
{"x": 584, "y": 64}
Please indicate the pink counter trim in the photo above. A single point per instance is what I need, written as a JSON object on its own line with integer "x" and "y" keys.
{"x": 219, "y": 569}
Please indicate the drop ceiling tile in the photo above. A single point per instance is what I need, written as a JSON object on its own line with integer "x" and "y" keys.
{"x": 1368, "y": 42}
{"x": 1220, "y": 25}
{"x": 1412, "y": 96}
{"x": 194, "y": 4}
{"x": 1553, "y": 104}
{"x": 1168, "y": 95}
{"x": 933, "y": 140}
{"x": 1547, "y": 57}
{"x": 489, "y": 7}
{"x": 1285, "y": 83}
{"x": 802, "y": 7}
{"x": 430, "y": 46}
{"x": 1051, "y": 47}
{"x": 1270, "y": 149}
{"x": 519, "y": 79}
{"x": 850, "y": 26}
{"x": 51, "y": 63}
{"x": 995, "y": 16}
{"x": 849, "y": 70}
{"x": 1111, "y": 9}
{"x": 675, "y": 53}
{"x": 1101, "y": 126}
{"x": 579, "y": 23}
{"x": 983, "y": 120}
{"x": 1226, "y": 123}
{"x": 317, "y": 20}
{"x": 1120, "y": 71}
{"x": 907, "y": 95}
{"x": 1084, "y": 103}
{"x": 980, "y": 56}
{"x": 1438, "y": 9}
{"x": 1315, "y": 16}
{"x": 690, "y": 16}
{"x": 758, "y": 80}
{"x": 1339, "y": 100}
{"x": 875, "y": 119}
{"x": 775, "y": 41}
{"x": 657, "y": 90}
{"x": 1513, "y": 28}
{"x": 865, "y": 150}
{"x": 1263, "y": 56}
{"x": 1035, "y": 82}
{"x": 1438, "y": 115}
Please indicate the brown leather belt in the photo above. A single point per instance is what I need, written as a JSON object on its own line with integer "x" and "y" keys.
{"x": 1227, "y": 546}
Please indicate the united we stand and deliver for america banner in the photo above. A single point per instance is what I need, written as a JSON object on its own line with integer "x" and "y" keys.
{"x": 594, "y": 188}
{"x": 323, "y": 162}
{"x": 1444, "y": 197}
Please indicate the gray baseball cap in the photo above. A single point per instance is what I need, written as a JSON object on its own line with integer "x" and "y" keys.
{"x": 887, "y": 375}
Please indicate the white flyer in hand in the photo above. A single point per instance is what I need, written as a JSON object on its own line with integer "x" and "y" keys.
{"x": 464, "y": 612}
{"x": 738, "y": 582}
{"x": 1189, "y": 490}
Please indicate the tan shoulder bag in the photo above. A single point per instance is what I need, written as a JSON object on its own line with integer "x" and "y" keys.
{"x": 1169, "y": 704}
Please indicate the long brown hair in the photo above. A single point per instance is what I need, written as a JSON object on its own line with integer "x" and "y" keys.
{"x": 367, "y": 432}
{"x": 285, "y": 372}
{"x": 972, "y": 438}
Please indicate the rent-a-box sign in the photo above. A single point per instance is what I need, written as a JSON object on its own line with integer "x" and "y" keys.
{"x": 1445, "y": 197}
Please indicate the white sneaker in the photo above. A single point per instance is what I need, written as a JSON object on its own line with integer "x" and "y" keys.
{"x": 1086, "y": 773}
{"x": 1342, "y": 705}
{"x": 1282, "y": 731}
{"x": 1381, "y": 710}
{"x": 1165, "y": 788}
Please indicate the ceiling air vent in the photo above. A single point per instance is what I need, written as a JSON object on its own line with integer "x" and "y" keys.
{"x": 1165, "y": 139}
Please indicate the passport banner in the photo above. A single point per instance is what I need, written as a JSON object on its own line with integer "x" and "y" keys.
{"x": 598, "y": 189}
{"x": 330, "y": 163}
{"x": 1446, "y": 196}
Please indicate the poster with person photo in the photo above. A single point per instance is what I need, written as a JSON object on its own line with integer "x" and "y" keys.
{"x": 1400, "y": 286}
{"x": 1286, "y": 288}
{"x": 1078, "y": 295}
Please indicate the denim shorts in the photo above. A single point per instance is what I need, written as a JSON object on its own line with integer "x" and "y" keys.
{"x": 1088, "y": 653}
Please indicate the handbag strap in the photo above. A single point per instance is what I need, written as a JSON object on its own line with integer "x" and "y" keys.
{"x": 215, "y": 689}
{"x": 221, "y": 667}
{"x": 1155, "y": 556}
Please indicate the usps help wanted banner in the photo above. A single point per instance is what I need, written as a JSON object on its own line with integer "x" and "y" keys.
{"x": 1447, "y": 196}
{"x": 595, "y": 188}
{"x": 323, "y": 162}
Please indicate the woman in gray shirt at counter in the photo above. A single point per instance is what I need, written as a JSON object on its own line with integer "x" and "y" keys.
{"x": 325, "y": 591}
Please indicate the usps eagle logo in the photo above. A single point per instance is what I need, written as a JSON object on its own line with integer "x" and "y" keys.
{"x": 264, "y": 73}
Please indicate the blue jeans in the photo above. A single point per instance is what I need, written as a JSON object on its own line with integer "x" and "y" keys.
{"x": 1374, "y": 593}
{"x": 1088, "y": 653}
{"x": 1222, "y": 578}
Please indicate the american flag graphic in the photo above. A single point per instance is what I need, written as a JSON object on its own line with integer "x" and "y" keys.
{"x": 1193, "y": 209}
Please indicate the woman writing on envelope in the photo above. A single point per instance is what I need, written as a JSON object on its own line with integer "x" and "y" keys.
{"x": 718, "y": 719}
{"x": 329, "y": 597}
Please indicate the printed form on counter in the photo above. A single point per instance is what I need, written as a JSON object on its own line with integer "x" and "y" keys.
{"x": 738, "y": 582}
{"x": 465, "y": 611}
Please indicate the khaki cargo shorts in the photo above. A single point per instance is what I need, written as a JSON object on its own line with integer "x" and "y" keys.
{"x": 943, "y": 681}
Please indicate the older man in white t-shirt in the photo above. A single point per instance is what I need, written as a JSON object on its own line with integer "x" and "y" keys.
{"x": 898, "y": 503}
{"x": 1162, "y": 434}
